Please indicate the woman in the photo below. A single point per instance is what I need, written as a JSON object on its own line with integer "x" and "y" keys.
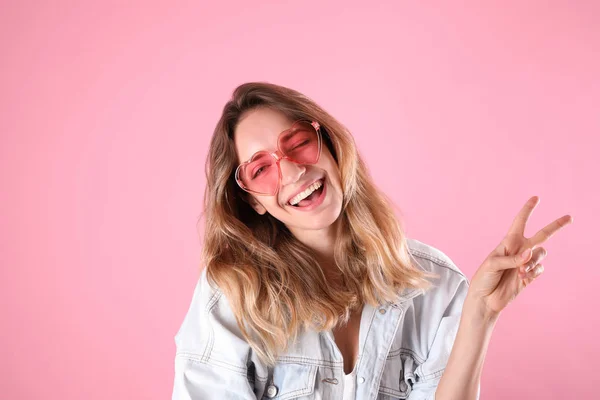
{"x": 311, "y": 290}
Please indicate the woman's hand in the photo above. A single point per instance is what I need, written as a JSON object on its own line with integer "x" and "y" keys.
{"x": 504, "y": 274}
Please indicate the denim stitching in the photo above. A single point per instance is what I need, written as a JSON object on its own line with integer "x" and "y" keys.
{"x": 391, "y": 392}
{"x": 438, "y": 261}
{"x": 433, "y": 375}
{"x": 195, "y": 358}
{"x": 211, "y": 334}
{"x": 305, "y": 390}
{"x": 404, "y": 350}
{"x": 308, "y": 361}
{"x": 400, "y": 317}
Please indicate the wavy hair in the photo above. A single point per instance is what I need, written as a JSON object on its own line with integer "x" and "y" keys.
{"x": 273, "y": 282}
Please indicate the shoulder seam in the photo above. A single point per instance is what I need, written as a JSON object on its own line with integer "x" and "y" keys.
{"x": 212, "y": 301}
{"x": 214, "y": 298}
{"x": 437, "y": 261}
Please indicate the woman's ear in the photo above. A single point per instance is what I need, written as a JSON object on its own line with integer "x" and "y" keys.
{"x": 259, "y": 208}
{"x": 251, "y": 200}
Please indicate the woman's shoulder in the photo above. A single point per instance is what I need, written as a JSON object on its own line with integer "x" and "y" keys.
{"x": 448, "y": 291}
{"x": 207, "y": 309}
{"x": 205, "y": 298}
{"x": 209, "y": 332}
{"x": 432, "y": 259}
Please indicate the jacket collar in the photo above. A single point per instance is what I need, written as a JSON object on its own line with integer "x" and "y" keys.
{"x": 406, "y": 295}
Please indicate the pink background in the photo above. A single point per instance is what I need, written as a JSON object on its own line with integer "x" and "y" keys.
{"x": 462, "y": 113}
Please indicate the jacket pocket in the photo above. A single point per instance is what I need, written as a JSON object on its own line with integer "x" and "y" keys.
{"x": 291, "y": 381}
{"x": 398, "y": 376}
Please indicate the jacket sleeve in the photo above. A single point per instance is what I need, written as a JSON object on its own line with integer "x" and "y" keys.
{"x": 429, "y": 373}
{"x": 212, "y": 358}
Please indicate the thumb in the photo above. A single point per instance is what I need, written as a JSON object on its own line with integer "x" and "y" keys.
{"x": 506, "y": 262}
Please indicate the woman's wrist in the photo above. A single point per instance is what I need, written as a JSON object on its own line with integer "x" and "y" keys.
{"x": 477, "y": 312}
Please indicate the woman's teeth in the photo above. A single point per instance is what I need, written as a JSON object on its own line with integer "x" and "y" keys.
{"x": 296, "y": 199}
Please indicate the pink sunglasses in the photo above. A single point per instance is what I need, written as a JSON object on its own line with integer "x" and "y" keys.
{"x": 261, "y": 174}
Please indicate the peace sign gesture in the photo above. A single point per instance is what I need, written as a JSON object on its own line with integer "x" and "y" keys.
{"x": 505, "y": 273}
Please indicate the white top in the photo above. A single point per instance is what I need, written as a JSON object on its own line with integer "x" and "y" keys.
{"x": 350, "y": 385}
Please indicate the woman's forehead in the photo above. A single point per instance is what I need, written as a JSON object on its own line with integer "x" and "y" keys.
{"x": 258, "y": 131}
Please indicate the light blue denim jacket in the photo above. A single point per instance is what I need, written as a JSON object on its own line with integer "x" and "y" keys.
{"x": 403, "y": 346}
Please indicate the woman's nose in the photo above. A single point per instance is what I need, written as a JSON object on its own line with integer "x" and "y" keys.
{"x": 290, "y": 171}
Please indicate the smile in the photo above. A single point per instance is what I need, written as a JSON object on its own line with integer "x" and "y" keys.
{"x": 311, "y": 197}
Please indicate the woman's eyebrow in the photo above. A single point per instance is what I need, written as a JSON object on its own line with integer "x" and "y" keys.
{"x": 271, "y": 149}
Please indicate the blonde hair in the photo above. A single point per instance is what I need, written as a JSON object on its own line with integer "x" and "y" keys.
{"x": 273, "y": 281}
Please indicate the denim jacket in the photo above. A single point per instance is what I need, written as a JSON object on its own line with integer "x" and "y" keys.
{"x": 404, "y": 346}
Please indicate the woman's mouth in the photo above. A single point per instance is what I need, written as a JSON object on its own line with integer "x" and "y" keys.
{"x": 313, "y": 200}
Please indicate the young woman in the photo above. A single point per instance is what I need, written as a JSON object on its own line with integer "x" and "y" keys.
{"x": 311, "y": 290}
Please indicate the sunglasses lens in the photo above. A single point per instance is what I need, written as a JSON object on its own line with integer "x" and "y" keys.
{"x": 301, "y": 145}
{"x": 260, "y": 174}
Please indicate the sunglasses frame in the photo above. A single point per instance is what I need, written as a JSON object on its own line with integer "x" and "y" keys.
{"x": 278, "y": 155}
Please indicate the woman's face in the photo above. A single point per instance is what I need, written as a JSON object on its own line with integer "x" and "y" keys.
{"x": 259, "y": 130}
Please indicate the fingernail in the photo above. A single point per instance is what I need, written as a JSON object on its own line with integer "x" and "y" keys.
{"x": 528, "y": 268}
{"x": 525, "y": 254}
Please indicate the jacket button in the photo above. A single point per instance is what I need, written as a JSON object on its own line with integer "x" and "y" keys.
{"x": 382, "y": 311}
{"x": 361, "y": 380}
{"x": 271, "y": 391}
